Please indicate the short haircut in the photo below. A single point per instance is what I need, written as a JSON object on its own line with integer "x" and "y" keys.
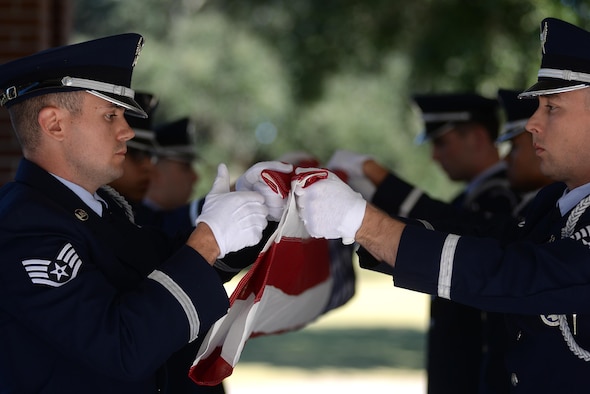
{"x": 24, "y": 115}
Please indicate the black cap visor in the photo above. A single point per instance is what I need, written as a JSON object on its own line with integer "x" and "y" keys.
{"x": 128, "y": 103}
{"x": 434, "y": 131}
{"x": 552, "y": 86}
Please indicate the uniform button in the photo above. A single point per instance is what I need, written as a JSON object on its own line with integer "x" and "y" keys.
{"x": 513, "y": 379}
{"x": 519, "y": 335}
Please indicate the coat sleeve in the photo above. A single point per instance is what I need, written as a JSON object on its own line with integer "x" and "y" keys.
{"x": 51, "y": 288}
{"x": 520, "y": 277}
{"x": 399, "y": 198}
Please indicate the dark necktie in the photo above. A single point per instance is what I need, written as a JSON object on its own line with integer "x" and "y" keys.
{"x": 105, "y": 208}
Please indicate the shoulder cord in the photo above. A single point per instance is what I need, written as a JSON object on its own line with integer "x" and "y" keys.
{"x": 566, "y": 232}
{"x": 119, "y": 199}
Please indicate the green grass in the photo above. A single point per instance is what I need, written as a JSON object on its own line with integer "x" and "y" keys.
{"x": 339, "y": 348}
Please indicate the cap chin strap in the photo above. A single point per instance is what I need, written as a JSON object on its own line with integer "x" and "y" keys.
{"x": 16, "y": 91}
{"x": 145, "y": 134}
{"x": 99, "y": 89}
{"x": 566, "y": 75}
{"x": 148, "y": 138}
{"x": 424, "y": 136}
{"x": 89, "y": 84}
{"x": 515, "y": 124}
{"x": 432, "y": 117}
{"x": 180, "y": 153}
{"x": 512, "y": 129}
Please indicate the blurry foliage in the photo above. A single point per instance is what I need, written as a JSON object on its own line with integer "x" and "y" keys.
{"x": 358, "y": 348}
{"x": 273, "y": 76}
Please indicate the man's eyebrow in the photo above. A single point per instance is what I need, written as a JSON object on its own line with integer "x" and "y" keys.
{"x": 554, "y": 96}
{"x": 113, "y": 106}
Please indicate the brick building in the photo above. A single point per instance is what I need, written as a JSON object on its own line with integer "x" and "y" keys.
{"x": 26, "y": 27}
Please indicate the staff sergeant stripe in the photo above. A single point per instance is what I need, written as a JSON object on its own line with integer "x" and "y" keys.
{"x": 445, "y": 273}
{"x": 54, "y": 273}
{"x": 182, "y": 298}
{"x": 72, "y": 258}
{"x": 66, "y": 253}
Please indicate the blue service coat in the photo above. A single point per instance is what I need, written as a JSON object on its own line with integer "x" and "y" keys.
{"x": 465, "y": 344}
{"x": 530, "y": 274}
{"x": 178, "y": 224}
{"x": 90, "y": 304}
{"x": 175, "y": 222}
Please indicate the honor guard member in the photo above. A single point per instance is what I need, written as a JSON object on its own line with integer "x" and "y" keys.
{"x": 174, "y": 177}
{"x": 90, "y": 302}
{"x": 522, "y": 164}
{"x": 177, "y": 154}
{"x": 462, "y": 129}
{"x": 538, "y": 273}
{"x": 166, "y": 204}
{"x": 138, "y": 169}
{"x": 141, "y": 156}
{"x": 525, "y": 177}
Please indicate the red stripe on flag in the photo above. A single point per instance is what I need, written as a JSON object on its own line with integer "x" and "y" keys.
{"x": 300, "y": 264}
{"x": 214, "y": 368}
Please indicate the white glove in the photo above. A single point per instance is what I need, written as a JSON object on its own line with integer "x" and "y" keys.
{"x": 235, "y": 218}
{"x": 328, "y": 207}
{"x": 349, "y": 162}
{"x": 252, "y": 180}
{"x": 352, "y": 164}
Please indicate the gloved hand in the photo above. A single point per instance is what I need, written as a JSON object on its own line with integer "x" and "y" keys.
{"x": 235, "y": 218}
{"x": 328, "y": 207}
{"x": 352, "y": 165}
{"x": 252, "y": 180}
{"x": 349, "y": 162}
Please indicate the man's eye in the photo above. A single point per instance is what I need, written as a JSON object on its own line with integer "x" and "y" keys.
{"x": 110, "y": 116}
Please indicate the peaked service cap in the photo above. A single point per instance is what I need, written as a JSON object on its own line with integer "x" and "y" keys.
{"x": 565, "y": 62}
{"x": 441, "y": 112}
{"x": 102, "y": 67}
{"x": 145, "y": 135}
{"x": 517, "y": 113}
{"x": 177, "y": 140}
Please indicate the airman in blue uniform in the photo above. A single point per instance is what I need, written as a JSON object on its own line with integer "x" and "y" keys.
{"x": 167, "y": 201}
{"x": 89, "y": 301}
{"x": 166, "y": 204}
{"x": 462, "y": 128}
{"x": 536, "y": 273}
{"x": 140, "y": 159}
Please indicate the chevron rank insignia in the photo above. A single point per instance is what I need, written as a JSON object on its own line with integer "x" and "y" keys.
{"x": 582, "y": 235}
{"x": 55, "y": 272}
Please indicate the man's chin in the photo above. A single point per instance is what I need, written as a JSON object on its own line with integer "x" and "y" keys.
{"x": 116, "y": 174}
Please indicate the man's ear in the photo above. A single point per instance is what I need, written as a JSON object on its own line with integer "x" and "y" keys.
{"x": 50, "y": 120}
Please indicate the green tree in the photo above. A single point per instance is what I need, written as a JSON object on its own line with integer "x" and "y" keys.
{"x": 274, "y": 76}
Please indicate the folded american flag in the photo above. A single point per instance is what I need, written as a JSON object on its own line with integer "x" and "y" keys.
{"x": 295, "y": 280}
